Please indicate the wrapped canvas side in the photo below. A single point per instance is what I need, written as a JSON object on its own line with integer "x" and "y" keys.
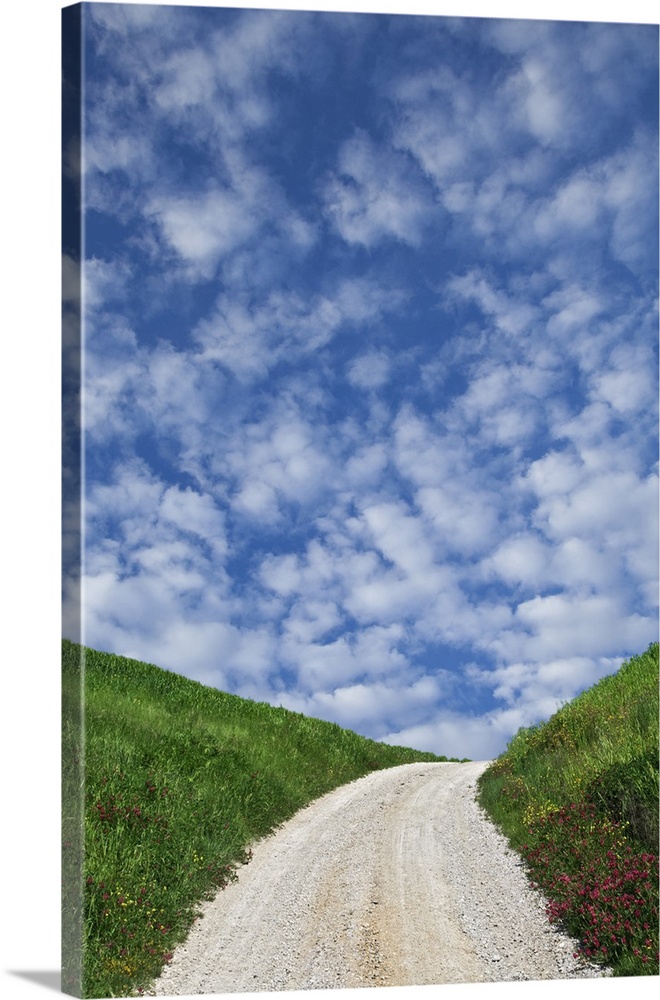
{"x": 72, "y": 656}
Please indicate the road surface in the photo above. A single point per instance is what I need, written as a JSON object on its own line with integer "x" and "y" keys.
{"x": 396, "y": 879}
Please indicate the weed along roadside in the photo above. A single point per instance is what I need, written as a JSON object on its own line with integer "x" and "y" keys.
{"x": 178, "y": 780}
{"x": 578, "y": 798}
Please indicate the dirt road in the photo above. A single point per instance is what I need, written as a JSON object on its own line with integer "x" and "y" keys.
{"x": 394, "y": 880}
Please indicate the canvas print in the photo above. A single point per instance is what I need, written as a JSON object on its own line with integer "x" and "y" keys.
{"x": 360, "y": 494}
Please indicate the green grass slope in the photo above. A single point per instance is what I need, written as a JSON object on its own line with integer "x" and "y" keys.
{"x": 578, "y": 797}
{"x": 164, "y": 787}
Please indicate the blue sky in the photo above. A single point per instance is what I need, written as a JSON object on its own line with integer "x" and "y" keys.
{"x": 370, "y": 366}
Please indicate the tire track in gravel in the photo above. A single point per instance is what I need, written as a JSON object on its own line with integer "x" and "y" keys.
{"x": 396, "y": 879}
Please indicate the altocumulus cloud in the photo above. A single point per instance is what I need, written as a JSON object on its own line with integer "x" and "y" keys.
{"x": 370, "y": 388}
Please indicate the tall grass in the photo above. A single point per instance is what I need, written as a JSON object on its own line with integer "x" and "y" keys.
{"x": 578, "y": 797}
{"x": 178, "y": 780}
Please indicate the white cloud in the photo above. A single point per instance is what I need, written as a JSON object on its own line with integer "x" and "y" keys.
{"x": 544, "y": 108}
{"x": 281, "y": 574}
{"x": 625, "y": 389}
{"x": 582, "y": 565}
{"x": 309, "y": 620}
{"x": 520, "y": 559}
{"x": 631, "y": 196}
{"x": 105, "y": 152}
{"x": 188, "y": 78}
{"x": 319, "y": 665}
{"x": 144, "y": 566}
{"x": 425, "y": 453}
{"x": 258, "y": 500}
{"x": 130, "y": 389}
{"x": 370, "y": 370}
{"x": 207, "y": 225}
{"x": 192, "y": 512}
{"x": 261, "y": 40}
{"x": 557, "y": 473}
{"x": 565, "y": 625}
{"x": 511, "y": 315}
{"x": 174, "y": 394}
{"x": 461, "y": 519}
{"x": 608, "y": 202}
{"x": 376, "y": 195}
{"x": 108, "y": 385}
{"x": 496, "y": 402}
{"x": 455, "y": 735}
{"x": 250, "y": 338}
{"x": 571, "y": 311}
{"x": 201, "y": 229}
{"x": 399, "y": 536}
{"x": 609, "y": 505}
{"x": 280, "y": 459}
{"x": 576, "y": 206}
{"x": 429, "y": 106}
{"x": 539, "y": 689}
{"x": 461, "y": 505}
{"x": 104, "y": 281}
{"x": 366, "y": 707}
{"x": 366, "y": 466}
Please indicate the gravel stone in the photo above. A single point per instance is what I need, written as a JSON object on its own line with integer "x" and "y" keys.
{"x": 396, "y": 879}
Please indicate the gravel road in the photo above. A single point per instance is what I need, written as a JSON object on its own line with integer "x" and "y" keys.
{"x": 396, "y": 879}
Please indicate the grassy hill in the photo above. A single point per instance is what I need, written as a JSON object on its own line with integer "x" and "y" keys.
{"x": 578, "y": 797}
{"x": 165, "y": 785}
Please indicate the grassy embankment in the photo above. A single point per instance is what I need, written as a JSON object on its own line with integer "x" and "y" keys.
{"x": 175, "y": 780}
{"x": 578, "y": 797}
